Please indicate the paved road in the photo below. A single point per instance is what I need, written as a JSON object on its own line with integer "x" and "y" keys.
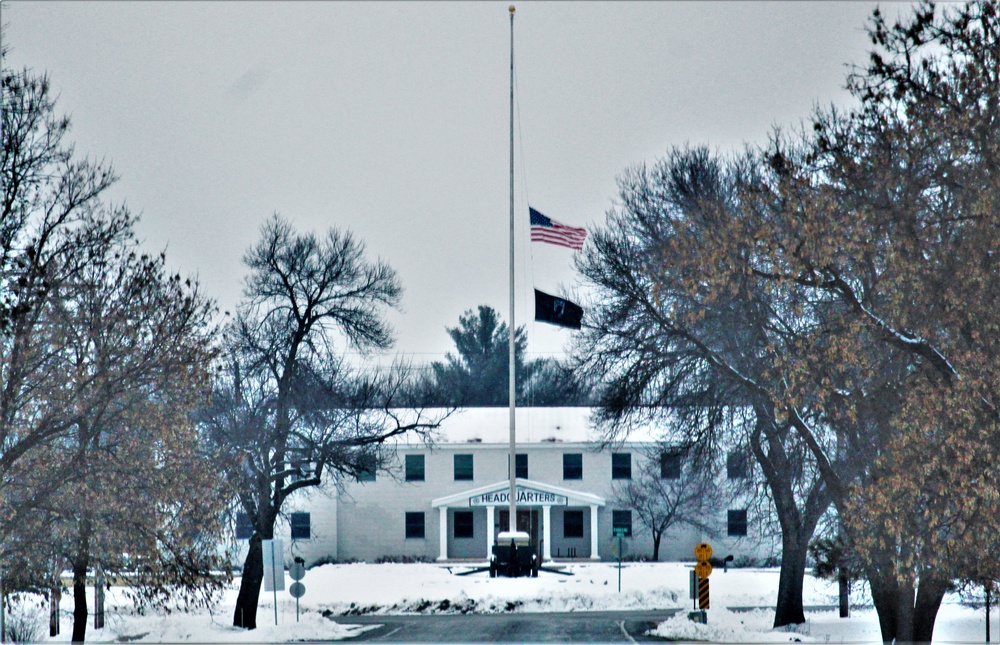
{"x": 572, "y": 627}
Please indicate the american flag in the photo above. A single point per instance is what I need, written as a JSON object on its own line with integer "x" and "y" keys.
{"x": 546, "y": 229}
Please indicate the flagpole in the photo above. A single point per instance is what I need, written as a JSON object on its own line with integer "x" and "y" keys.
{"x": 511, "y": 332}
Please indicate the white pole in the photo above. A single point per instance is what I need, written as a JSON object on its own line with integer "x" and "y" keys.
{"x": 443, "y": 533}
{"x": 512, "y": 328}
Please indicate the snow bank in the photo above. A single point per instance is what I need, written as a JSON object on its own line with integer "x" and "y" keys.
{"x": 335, "y": 592}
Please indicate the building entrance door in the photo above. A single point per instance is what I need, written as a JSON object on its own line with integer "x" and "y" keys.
{"x": 527, "y": 521}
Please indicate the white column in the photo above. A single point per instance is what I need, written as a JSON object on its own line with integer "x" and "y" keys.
{"x": 546, "y": 533}
{"x": 489, "y": 531}
{"x": 443, "y": 532}
{"x": 594, "y": 555}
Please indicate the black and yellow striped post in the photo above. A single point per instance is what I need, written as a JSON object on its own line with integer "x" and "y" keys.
{"x": 703, "y": 570}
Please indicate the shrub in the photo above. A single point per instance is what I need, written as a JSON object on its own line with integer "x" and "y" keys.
{"x": 833, "y": 557}
{"x": 743, "y": 561}
{"x": 402, "y": 559}
{"x": 26, "y": 618}
{"x": 326, "y": 559}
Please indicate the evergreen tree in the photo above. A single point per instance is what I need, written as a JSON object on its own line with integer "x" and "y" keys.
{"x": 479, "y": 375}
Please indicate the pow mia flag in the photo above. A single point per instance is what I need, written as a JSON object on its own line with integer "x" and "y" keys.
{"x": 557, "y": 311}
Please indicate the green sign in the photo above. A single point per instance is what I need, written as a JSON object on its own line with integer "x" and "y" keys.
{"x": 618, "y": 531}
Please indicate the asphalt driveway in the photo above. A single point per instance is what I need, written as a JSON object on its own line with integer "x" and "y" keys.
{"x": 566, "y": 627}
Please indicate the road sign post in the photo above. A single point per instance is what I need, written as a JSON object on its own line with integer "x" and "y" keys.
{"x": 619, "y": 563}
{"x": 274, "y": 570}
{"x": 619, "y": 532}
{"x": 703, "y": 552}
{"x": 296, "y": 572}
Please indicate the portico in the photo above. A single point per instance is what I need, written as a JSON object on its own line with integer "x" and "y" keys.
{"x": 531, "y": 495}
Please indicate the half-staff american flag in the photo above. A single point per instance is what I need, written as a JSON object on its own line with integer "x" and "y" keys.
{"x": 546, "y": 229}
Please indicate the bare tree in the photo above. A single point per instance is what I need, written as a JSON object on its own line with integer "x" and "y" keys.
{"x": 136, "y": 360}
{"x": 666, "y": 490}
{"x": 890, "y": 221}
{"x": 48, "y": 195}
{"x": 289, "y": 412}
{"x": 102, "y": 355}
{"x": 680, "y": 332}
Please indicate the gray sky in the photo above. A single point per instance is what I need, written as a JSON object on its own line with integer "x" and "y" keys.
{"x": 391, "y": 119}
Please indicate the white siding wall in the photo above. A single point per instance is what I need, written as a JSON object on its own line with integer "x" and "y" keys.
{"x": 367, "y": 520}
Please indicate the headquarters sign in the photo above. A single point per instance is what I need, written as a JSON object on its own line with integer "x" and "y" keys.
{"x": 525, "y": 497}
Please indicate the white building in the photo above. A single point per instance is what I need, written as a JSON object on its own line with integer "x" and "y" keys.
{"x": 446, "y": 500}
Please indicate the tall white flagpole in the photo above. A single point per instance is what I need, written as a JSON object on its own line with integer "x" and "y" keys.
{"x": 512, "y": 525}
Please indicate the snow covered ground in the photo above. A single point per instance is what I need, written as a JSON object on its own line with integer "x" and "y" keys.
{"x": 342, "y": 590}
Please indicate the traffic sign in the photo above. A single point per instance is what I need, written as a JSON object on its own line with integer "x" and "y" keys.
{"x": 703, "y": 552}
{"x": 297, "y": 589}
{"x": 274, "y": 565}
{"x": 703, "y": 569}
{"x": 297, "y": 571}
{"x": 618, "y": 531}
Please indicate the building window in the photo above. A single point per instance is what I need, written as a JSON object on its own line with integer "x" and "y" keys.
{"x": 621, "y": 465}
{"x": 573, "y": 466}
{"x": 415, "y": 525}
{"x": 300, "y": 526}
{"x": 366, "y": 468}
{"x": 463, "y": 524}
{"x": 244, "y": 527}
{"x": 736, "y": 465}
{"x": 520, "y": 466}
{"x": 737, "y": 523}
{"x": 572, "y": 524}
{"x": 414, "y": 468}
{"x": 621, "y": 520}
{"x": 463, "y": 468}
{"x": 670, "y": 465}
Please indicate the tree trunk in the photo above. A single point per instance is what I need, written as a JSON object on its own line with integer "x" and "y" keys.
{"x": 885, "y": 594}
{"x": 245, "y": 615}
{"x": 794, "y": 549}
{"x": 99, "y": 599}
{"x": 656, "y": 546}
{"x": 797, "y": 525}
{"x": 906, "y": 612}
{"x": 929, "y": 597}
{"x": 55, "y": 597}
{"x": 80, "y": 598}
{"x": 80, "y": 564}
{"x": 844, "y": 588}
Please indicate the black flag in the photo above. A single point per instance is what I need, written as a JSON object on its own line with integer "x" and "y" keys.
{"x": 557, "y": 311}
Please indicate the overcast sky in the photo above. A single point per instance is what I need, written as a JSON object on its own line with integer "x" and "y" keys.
{"x": 391, "y": 119}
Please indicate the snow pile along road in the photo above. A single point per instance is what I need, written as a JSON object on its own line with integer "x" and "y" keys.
{"x": 431, "y": 589}
{"x": 336, "y": 592}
